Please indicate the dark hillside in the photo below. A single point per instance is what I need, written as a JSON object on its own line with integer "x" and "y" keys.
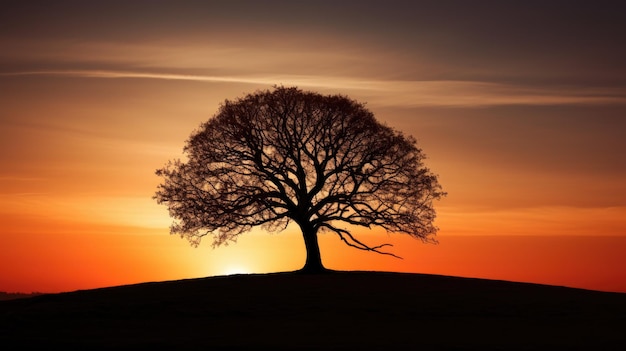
{"x": 342, "y": 310}
{"x": 12, "y": 296}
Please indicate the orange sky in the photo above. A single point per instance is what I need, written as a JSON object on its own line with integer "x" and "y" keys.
{"x": 523, "y": 125}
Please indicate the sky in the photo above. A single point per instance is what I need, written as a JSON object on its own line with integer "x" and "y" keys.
{"x": 520, "y": 107}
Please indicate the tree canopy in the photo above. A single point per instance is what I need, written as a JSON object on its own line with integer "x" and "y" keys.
{"x": 286, "y": 155}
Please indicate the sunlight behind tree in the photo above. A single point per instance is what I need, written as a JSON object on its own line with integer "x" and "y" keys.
{"x": 286, "y": 155}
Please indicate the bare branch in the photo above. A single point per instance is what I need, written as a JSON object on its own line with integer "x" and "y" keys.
{"x": 285, "y": 155}
{"x": 351, "y": 241}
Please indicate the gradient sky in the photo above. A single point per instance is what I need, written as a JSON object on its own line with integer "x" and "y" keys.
{"x": 520, "y": 107}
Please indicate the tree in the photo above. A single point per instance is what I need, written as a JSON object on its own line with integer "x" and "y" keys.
{"x": 286, "y": 155}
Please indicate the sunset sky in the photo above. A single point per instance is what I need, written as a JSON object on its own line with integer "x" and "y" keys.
{"x": 520, "y": 107}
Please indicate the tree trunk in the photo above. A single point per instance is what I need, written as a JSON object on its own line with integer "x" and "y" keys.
{"x": 313, "y": 262}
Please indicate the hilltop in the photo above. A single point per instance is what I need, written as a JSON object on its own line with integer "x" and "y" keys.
{"x": 12, "y": 296}
{"x": 341, "y": 310}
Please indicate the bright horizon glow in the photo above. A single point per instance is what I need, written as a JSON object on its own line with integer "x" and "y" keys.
{"x": 233, "y": 270}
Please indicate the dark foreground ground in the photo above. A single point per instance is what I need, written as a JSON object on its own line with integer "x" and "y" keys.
{"x": 348, "y": 310}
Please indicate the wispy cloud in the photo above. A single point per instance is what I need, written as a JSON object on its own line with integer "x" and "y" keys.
{"x": 443, "y": 93}
{"x": 555, "y": 220}
{"x": 141, "y": 75}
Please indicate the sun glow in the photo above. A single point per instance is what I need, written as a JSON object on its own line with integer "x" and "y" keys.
{"x": 232, "y": 270}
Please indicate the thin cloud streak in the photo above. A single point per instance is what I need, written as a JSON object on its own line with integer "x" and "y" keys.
{"x": 547, "y": 220}
{"x": 442, "y": 93}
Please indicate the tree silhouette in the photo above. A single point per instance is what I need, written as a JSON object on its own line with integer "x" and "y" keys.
{"x": 284, "y": 155}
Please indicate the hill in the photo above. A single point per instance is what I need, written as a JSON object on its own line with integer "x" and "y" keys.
{"x": 12, "y": 296}
{"x": 341, "y": 310}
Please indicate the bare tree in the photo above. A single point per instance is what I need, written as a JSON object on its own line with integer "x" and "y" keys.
{"x": 284, "y": 155}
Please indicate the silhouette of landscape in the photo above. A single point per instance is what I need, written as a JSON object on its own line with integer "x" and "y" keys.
{"x": 12, "y": 296}
{"x": 335, "y": 311}
{"x": 519, "y": 106}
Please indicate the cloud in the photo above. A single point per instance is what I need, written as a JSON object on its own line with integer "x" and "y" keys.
{"x": 441, "y": 93}
{"x": 539, "y": 220}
